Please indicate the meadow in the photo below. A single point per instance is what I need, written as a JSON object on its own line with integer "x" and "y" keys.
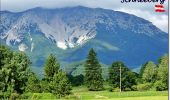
{"x": 81, "y": 93}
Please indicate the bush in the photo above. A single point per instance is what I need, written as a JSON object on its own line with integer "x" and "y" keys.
{"x": 76, "y": 80}
{"x": 6, "y": 94}
{"x": 36, "y": 96}
{"x": 44, "y": 86}
{"x": 73, "y": 97}
{"x": 134, "y": 88}
{"x": 159, "y": 86}
{"x": 1, "y": 95}
{"x": 144, "y": 87}
{"x": 114, "y": 89}
{"x": 14, "y": 96}
{"x": 26, "y": 95}
{"x": 127, "y": 89}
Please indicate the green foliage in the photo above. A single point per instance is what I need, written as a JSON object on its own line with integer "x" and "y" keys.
{"x": 142, "y": 70}
{"x": 114, "y": 89}
{"x": 93, "y": 72}
{"x": 55, "y": 81}
{"x": 44, "y": 84}
{"x": 76, "y": 80}
{"x": 14, "y": 96}
{"x": 26, "y": 96}
{"x": 150, "y": 72}
{"x": 134, "y": 87}
{"x": 5, "y": 55}
{"x": 51, "y": 67}
{"x": 128, "y": 78}
{"x": 33, "y": 84}
{"x": 144, "y": 87}
{"x": 14, "y": 71}
{"x": 60, "y": 85}
{"x": 160, "y": 86}
{"x": 157, "y": 74}
{"x": 162, "y": 75}
{"x": 16, "y": 77}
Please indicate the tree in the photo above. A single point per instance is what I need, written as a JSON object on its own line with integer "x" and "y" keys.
{"x": 17, "y": 71}
{"x": 60, "y": 85}
{"x": 93, "y": 72}
{"x": 14, "y": 71}
{"x": 76, "y": 80}
{"x": 142, "y": 69}
{"x": 162, "y": 75}
{"x": 5, "y": 55}
{"x": 44, "y": 84}
{"x": 51, "y": 67}
{"x": 150, "y": 72}
{"x": 55, "y": 80}
{"x": 33, "y": 84}
{"x": 128, "y": 78}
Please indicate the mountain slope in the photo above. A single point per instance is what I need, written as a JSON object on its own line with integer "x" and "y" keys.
{"x": 70, "y": 32}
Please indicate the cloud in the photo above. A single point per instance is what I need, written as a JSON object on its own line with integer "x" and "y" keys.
{"x": 144, "y": 10}
{"x": 161, "y": 21}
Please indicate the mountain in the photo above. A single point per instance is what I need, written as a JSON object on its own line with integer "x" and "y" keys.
{"x": 70, "y": 32}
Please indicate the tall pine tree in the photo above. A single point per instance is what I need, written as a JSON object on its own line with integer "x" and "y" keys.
{"x": 51, "y": 67}
{"x": 57, "y": 80}
{"x": 93, "y": 72}
{"x": 60, "y": 85}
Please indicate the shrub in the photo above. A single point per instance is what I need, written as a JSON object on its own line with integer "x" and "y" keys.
{"x": 14, "y": 96}
{"x": 6, "y": 94}
{"x": 134, "y": 88}
{"x": 159, "y": 86}
{"x": 26, "y": 95}
{"x": 116, "y": 89}
{"x": 73, "y": 97}
{"x": 144, "y": 87}
{"x": 127, "y": 89}
{"x": 36, "y": 96}
{"x": 1, "y": 95}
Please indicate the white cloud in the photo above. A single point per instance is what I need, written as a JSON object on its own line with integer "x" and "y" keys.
{"x": 161, "y": 21}
{"x": 144, "y": 10}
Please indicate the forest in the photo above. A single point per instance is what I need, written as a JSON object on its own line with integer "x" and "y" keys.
{"x": 19, "y": 81}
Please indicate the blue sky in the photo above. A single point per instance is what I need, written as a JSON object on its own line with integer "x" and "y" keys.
{"x": 144, "y": 10}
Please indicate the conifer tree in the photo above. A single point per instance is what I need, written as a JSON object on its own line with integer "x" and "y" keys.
{"x": 33, "y": 84}
{"x": 60, "y": 85}
{"x": 57, "y": 79}
{"x": 93, "y": 72}
{"x": 51, "y": 67}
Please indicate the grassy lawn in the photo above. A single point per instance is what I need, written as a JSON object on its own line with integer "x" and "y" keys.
{"x": 81, "y": 93}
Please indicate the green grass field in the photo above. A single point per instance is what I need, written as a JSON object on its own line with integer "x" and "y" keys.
{"x": 81, "y": 93}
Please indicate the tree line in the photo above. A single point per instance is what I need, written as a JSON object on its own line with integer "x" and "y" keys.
{"x": 151, "y": 76}
{"x": 17, "y": 78}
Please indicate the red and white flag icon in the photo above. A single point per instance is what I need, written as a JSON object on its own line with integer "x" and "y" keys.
{"x": 159, "y": 8}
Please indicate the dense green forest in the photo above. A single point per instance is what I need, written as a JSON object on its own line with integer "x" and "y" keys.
{"x": 17, "y": 78}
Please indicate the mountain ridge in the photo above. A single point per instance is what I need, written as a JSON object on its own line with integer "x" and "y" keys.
{"x": 70, "y": 32}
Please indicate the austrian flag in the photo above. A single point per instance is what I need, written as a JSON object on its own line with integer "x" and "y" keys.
{"x": 159, "y": 8}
